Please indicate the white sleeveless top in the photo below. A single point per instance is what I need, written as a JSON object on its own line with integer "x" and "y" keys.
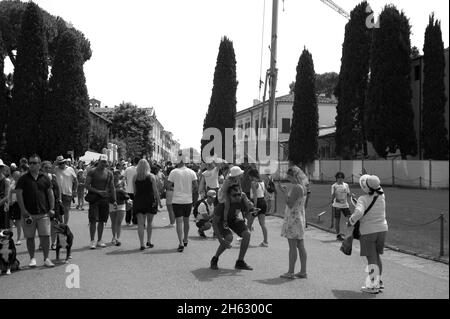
{"x": 259, "y": 191}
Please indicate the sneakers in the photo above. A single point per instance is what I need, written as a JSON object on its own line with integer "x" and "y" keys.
{"x": 288, "y": 276}
{"x": 100, "y": 243}
{"x": 201, "y": 233}
{"x": 263, "y": 244}
{"x": 18, "y": 243}
{"x": 150, "y": 245}
{"x": 373, "y": 290}
{"x": 180, "y": 248}
{"x": 185, "y": 243}
{"x": 240, "y": 264}
{"x": 339, "y": 238}
{"x": 113, "y": 241}
{"x": 118, "y": 243}
{"x": 301, "y": 276}
{"x": 214, "y": 262}
{"x": 32, "y": 263}
{"x": 53, "y": 247}
{"x": 93, "y": 245}
{"x": 239, "y": 239}
{"x": 48, "y": 263}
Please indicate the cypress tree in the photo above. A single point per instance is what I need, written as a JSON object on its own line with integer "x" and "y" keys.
{"x": 434, "y": 133}
{"x": 303, "y": 143}
{"x": 3, "y": 108}
{"x": 66, "y": 122}
{"x": 352, "y": 85}
{"x": 30, "y": 85}
{"x": 222, "y": 108}
{"x": 389, "y": 114}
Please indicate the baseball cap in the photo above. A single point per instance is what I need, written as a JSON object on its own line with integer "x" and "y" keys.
{"x": 103, "y": 157}
{"x": 60, "y": 159}
{"x": 236, "y": 171}
{"x": 211, "y": 193}
{"x": 1, "y": 163}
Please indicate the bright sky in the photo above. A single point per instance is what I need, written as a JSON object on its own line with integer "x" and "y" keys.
{"x": 163, "y": 53}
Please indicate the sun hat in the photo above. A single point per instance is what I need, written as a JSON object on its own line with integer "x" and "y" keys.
{"x": 211, "y": 193}
{"x": 369, "y": 183}
{"x": 1, "y": 163}
{"x": 60, "y": 159}
{"x": 236, "y": 171}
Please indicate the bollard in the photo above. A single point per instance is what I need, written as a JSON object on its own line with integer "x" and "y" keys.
{"x": 441, "y": 253}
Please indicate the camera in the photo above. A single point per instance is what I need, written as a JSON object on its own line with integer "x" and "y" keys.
{"x": 29, "y": 220}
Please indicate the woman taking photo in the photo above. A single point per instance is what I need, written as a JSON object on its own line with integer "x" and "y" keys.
{"x": 146, "y": 200}
{"x": 294, "y": 221}
{"x": 370, "y": 211}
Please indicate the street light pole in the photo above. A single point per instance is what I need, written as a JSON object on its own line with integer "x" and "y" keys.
{"x": 273, "y": 70}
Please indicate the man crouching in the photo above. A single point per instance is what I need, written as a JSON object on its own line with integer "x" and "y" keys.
{"x": 238, "y": 203}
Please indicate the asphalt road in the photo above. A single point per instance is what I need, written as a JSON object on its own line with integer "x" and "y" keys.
{"x": 127, "y": 273}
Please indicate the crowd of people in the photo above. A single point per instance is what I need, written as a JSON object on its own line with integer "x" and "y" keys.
{"x": 36, "y": 195}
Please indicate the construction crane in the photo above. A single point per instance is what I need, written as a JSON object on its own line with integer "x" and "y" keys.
{"x": 337, "y": 8}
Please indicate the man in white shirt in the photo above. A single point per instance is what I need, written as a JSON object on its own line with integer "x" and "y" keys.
{"x": 68, "y": 184}
{"x": 184, "y": 182}
{"x": 205, "y": 212}
{"x": 129, "y": 174}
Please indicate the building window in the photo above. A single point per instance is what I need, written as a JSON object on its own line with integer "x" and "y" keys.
{"x": 417, "y": 72}
{"x": 257, "y": 127}
{"x": 286, "y": 126}
{"x": 264, "y": 122}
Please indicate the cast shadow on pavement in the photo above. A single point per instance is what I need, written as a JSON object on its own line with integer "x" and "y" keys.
{"x": 207, "y": 274}
{"x": 349, "y": 294}
{"x": 274, "y": 281}
{"x": 162, "y": 251}
{"x": 52, "y": 252}
{"x": 124, "y": 252}
{"x": 198, "y": 238}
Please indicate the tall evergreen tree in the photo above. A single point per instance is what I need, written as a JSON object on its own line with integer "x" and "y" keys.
{"x": 389, "y": 116}
{"x": 65, "y": 121}
{"x": 434, "y": 133}
{"x": 222, "y": 108}
{"x": 30, "y": 85}
{"x": 3, "y": 108}
{"x": 352, "y": 85}
{"x": 303, "y": 143}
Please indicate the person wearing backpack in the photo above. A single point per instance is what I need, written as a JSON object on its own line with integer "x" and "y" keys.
{"x": 203, "y": 212}
{"x": 370, "y": 211}
{"x": 271, "y": 194}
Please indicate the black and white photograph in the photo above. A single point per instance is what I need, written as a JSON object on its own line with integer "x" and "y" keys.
{"x": 218, "y": 157}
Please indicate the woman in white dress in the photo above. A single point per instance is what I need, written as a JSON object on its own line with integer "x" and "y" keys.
{"x": 294, "y": 221}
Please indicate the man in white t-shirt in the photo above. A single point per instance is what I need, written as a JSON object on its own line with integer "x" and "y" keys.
{"x": 129, "y": 174}
{"x": 68, "y": 184}
{"x": 205, "y": 212}
{"x": 340, "y": 192}
{"x": 184, "y": 182}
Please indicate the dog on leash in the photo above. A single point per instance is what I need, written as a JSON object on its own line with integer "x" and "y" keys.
{"x": 64, "y": 239}
{"x": 8, "y": 256}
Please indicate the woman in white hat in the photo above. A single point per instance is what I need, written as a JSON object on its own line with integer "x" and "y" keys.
{"x": 370, "y": 211}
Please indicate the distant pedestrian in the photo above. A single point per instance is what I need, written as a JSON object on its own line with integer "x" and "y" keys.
{"x": 68, "y": 184}
{"x": 4, "y": 192}
{"x": 36, "y": 201}
{"x": 294, "y": 221}
{"x": 118, "y": 213}
{"x": 271, "y": 194}
{"x": 130, "y": 174}
{"x": 205, "y": 210}
{"x": 81, "y": 188}
{"x": 258, "y": 195}
{"x": 370, "y": 211}
{"x": 100, "y": 183}
{"x": 340, "y": 192}
{"x": 184, "y": 182}
{"x": 146, "y": 201}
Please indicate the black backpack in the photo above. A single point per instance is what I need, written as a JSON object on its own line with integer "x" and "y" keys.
{"x": 195, "y": 212}
{"x": 270, "y": 186}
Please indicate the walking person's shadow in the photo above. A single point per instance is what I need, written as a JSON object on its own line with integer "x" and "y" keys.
{"x": 207, "y": 274}
{"x": 349, "y": 294}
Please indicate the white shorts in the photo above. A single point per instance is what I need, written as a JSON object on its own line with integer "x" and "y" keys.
{"x": 120, "y": 208}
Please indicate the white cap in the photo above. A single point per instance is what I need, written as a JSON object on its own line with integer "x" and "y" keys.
{"x": 236, "y": 171}
{"x": 103, "y": 157}
{"x": 1, "y": 163}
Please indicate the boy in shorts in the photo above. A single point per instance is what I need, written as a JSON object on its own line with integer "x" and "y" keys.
{"x": 340, "y": 197}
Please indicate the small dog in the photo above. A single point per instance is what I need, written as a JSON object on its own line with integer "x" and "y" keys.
{"x": 8, "y": 257}
{"x": 64, "y": 239}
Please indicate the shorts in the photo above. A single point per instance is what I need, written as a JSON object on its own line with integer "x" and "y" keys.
{"x": 372, "y": 244}
{"x": 99, "y": 211}
{"x": 182, "y": 210}
{"x": 344, "y": 211}
{"x": 120, "y": 208}
{"x": 66, "y": 201}
{"x": 41, "y": 223}
{"x": 236, "y": 225}
{"x": 261, "y": 204}
{"x": 201, "y": 223}
{"x": 14, "y": 211}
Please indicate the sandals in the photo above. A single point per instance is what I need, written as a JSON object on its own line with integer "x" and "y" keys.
{"x": 288, "y": 276}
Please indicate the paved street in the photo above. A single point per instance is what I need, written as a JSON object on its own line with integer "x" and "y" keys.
{"x": 162, "y": 272}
